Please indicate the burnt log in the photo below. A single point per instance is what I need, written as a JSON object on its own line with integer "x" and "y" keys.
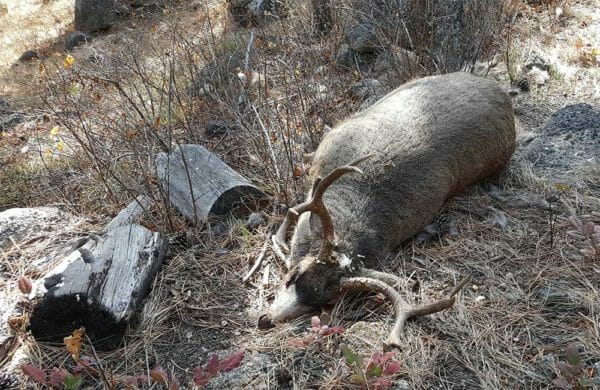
{"x": 199, "y": 184}
{"x": 100, "y": 284}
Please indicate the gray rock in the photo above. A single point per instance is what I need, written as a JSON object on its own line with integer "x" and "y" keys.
{"x": 254, "y": 220}
{"x": 95, "y": 15}
{"x": 366, "y": 88}
{"x": 401, "y": 384}
{"x": 219, "y": 128}
{"x": 75, "y": 39}
{"x": 361, "y": 38}
{"x": 253, "y": 373}
{"x": 28, "y": 56}
{"x": 346, "y": 58}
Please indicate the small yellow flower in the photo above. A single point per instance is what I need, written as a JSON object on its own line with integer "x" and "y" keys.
{"x": 69, "y": 61}
{"x": 60, "y": 146}
{"x": 54, "y": 130}
{"x": 595, "y": 51}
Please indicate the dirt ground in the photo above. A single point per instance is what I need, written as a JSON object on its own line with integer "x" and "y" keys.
{"x": 524, "y": 238}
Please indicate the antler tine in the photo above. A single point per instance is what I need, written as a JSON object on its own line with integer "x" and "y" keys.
{"x": 315, "y": 204}
{"x": 402, "y": 309}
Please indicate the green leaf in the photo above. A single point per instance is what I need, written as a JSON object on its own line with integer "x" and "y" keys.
{"x": 572, "y": 355}
{"x": 350, "y": 356}
{"x": 374, "y": 371}
{"x": 74, "y": 89}
{"x": 72, "y": 382}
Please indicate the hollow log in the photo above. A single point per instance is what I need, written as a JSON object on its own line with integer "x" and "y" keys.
{"x": 199, "y": 184}
{"x": 100, "y": 284}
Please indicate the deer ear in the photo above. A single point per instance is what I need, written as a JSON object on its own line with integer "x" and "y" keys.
{"x": 291, "y": 277}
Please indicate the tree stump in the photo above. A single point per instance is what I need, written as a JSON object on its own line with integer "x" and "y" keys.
{"x": 199, "y": 184}
{"x": 100, "y": 284}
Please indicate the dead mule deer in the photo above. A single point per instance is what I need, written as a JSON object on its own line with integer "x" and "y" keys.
{"x": 421, "y": 144}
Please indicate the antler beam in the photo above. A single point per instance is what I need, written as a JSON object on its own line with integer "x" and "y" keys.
{"x": 315, "y": 205}
{"x": 403, "y": 310}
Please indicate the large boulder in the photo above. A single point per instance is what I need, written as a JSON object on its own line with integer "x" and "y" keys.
{"x": 95, "y": 15}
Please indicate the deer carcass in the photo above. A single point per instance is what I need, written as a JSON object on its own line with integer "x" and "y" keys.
{"x": 418, "y": 147}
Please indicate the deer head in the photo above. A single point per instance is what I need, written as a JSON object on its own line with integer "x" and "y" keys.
{"x": 317, "y": 281}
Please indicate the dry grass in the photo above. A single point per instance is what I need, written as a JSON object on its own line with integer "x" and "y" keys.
{"x": 530, "y": 296}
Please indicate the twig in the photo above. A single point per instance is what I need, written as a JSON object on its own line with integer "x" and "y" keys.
{"x": 269, "y": 145}
{"x": 248, "y": 50}
{"x": 257, "y": 262}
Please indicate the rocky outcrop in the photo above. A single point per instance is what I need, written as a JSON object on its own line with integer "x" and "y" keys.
{"x": 95, "y": 15}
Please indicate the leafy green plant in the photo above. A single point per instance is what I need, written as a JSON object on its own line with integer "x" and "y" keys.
{"x": 575, "y": 375}
{"x": 376, "y": 373}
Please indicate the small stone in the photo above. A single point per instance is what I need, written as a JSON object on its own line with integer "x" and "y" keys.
{"x": 254, "y": 221}
{"x": 75, "y": 39}
{"x": 480, "y": 298}
{"x": 540, "y": 76}
{"x": 361, "y": 38}
{"x": 365, "y": 88}
{"x": 345, "y": 56}
{"x": 401, "y": 384}
{"x": 29, "y": 55}
{"x": 218, "y": 128}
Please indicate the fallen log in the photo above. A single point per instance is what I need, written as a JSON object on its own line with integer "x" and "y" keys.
{"x": 199, "y": 184}
{"x": 100, "y": 284}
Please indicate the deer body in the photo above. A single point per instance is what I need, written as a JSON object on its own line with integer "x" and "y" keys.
{"x": 427, "y": 141}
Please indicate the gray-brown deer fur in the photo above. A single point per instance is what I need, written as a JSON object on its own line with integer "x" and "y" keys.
{"x": 428, "y": 140}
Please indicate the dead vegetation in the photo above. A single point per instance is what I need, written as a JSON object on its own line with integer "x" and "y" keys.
{"x": 163, "y": 81}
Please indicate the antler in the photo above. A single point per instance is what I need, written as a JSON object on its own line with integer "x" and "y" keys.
{"x": 315, "y": 205}
{"x": 403, "y": 310}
